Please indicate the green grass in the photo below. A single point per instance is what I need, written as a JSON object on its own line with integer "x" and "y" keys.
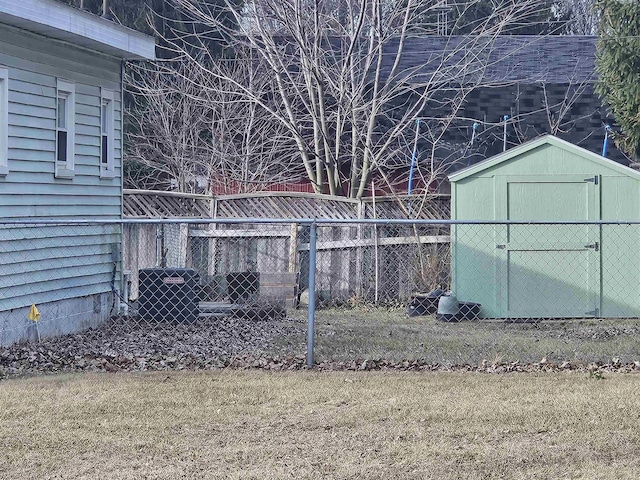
{"x": 309, "y": 425}
{"x": 346, "y": 334}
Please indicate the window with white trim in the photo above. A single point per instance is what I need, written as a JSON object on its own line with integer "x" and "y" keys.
{"x": 107, "y": 137}
{"x": 65, "y": 129}
{"x": 4, "y": 121}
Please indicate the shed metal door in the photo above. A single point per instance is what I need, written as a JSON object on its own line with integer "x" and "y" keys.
{"x": 548, "y": 271}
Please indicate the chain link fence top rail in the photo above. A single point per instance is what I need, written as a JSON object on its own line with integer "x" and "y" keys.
{"x": 202, "y": 292}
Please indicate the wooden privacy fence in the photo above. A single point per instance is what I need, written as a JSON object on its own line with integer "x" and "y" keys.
{"x": 384, "y": 262}
{"x": 352, "y": 261}
{"x": 158, "y": 204}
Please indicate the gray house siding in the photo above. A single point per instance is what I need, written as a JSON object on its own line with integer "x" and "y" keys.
{"x": 67, "y": 271}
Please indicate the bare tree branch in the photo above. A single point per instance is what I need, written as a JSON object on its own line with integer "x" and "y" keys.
{"x": 337, "y": 93}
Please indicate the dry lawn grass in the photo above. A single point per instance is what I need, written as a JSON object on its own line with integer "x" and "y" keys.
{"x": 344, "y": 335}
{"x": 299, "y": 425}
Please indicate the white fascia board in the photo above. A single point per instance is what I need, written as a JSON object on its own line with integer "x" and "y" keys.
{"x": 57, "y": 20}
{"x": 547, "y": 139}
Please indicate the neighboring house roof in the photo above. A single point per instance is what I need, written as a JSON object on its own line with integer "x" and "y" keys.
{"x": 508, "y": 58}
{"x": 538, "y": 142}
{"x": 62, "y": 22}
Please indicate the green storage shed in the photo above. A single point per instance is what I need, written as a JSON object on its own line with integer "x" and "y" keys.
{"x": 547, "y": 271}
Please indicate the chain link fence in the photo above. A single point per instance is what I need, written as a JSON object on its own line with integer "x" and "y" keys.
{"x": 146, "y": 294}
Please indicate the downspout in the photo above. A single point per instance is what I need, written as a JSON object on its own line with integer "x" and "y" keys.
{"x": 122, "y": 301}
{"x": 121, "y": 139}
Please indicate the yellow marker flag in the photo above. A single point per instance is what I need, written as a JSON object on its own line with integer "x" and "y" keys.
{"x": 34, "y": 314}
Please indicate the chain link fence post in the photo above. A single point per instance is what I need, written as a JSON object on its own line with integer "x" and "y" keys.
{"x": 312, "y": 294}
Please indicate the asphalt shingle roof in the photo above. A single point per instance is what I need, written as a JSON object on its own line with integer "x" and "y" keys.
{"x": 508, "y": 59}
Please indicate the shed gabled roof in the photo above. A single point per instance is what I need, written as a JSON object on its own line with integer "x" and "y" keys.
{"x": 538, "y": 142}
{"x": 55, "y": 20}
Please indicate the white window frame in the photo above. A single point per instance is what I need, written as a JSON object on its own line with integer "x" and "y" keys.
{"x": 68, "y": 91}
{"x": 107, "y": 170}
{"x": 4, "y": 121}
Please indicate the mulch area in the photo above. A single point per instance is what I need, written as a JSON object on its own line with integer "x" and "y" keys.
{"x": 124, "y": 344}
{"x": 131, "y": 345}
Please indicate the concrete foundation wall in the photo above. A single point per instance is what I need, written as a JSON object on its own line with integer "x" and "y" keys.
{"x": 56, "y": 318}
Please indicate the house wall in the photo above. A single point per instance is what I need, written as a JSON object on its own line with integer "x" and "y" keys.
{"x": 65, "y": 265}
{"x": 476, "y": 262}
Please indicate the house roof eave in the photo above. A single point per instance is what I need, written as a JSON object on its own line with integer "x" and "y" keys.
{"x": 62, "y": 22}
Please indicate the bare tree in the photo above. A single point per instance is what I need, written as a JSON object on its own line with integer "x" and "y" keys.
{"x": 167, "y": 122}
{"x": 192, "y": 132}
{"x": 250, "y": 150}
{"x": 342, "y": 84}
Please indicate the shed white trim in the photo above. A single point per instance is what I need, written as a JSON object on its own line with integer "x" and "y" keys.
{"x": 530, "y": 145}
{"x": 56, "y": 20}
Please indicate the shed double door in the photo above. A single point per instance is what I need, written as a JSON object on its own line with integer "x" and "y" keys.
{"x": 548, "y": 271}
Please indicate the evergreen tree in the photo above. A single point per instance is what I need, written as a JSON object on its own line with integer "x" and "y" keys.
{"x": 618, "y": 66}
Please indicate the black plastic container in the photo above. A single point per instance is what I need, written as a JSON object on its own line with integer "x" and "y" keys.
{"x": 424, "y": 304}
{"x": 168, "y": 294}
{"x": 243, "y": 287}
{"x": 469, "y": 310}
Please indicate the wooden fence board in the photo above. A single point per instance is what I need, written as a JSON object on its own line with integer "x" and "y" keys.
{"x": 370, "y": 242}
